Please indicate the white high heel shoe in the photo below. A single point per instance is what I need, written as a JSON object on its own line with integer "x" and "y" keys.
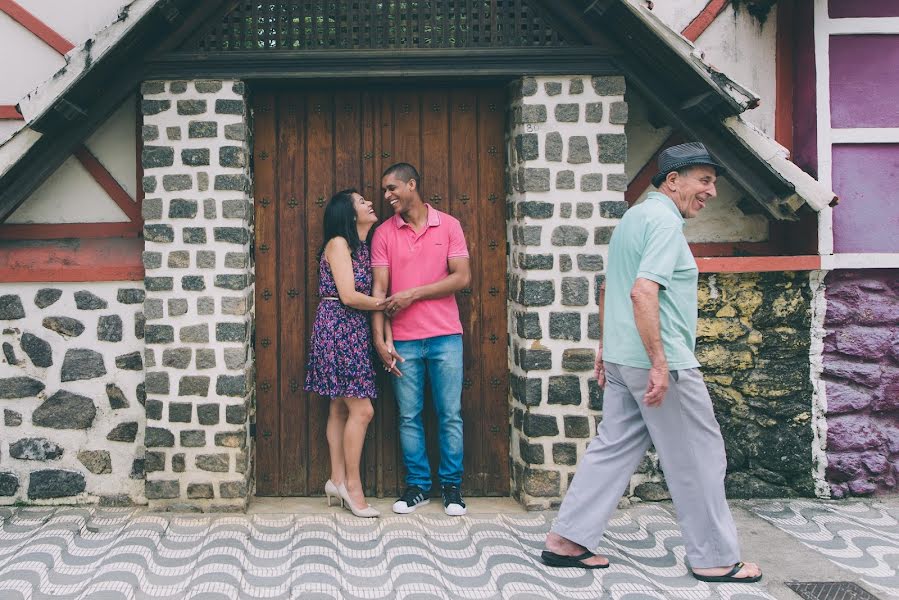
{"x": 332, "y": 490}
{"x": 369, "y": 511}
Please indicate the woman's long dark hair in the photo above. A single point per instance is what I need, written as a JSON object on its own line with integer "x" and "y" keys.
{"x": 340, "y": 221}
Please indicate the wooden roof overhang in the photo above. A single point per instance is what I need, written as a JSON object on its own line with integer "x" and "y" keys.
{"x": 572, "y": 37}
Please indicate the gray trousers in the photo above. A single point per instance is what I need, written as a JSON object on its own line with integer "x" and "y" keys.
{"x": 691, "y": 451}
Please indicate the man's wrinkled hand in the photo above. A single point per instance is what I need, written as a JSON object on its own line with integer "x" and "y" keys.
{"x": 657, "y": 386}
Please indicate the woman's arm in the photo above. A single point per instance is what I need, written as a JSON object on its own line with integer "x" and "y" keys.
{"x": 337, "y": 253}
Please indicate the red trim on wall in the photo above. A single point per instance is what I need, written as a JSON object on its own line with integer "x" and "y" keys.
{"x": 784, "y": 73}
{"x": 114, "y": 259}
{"x": 757, "y": 264}
{"x": 705, "y": 18}
{"x": 106, "y": 181}
{"x": 9, "y": 112}
{"x": 58, "y": 231}
{"x": 40, "y": 29}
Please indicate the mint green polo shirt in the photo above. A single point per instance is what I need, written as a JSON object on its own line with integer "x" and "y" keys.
{"x": 649, "y": 242}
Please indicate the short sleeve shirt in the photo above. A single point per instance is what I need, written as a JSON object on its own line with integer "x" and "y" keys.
{"x": 416, "y": 259}
{"x": 649, "y": 243}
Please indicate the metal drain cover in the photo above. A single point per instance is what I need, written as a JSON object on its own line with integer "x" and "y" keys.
{"x": 830, "y": 590}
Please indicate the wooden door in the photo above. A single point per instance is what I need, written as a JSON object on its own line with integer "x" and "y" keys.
{"x": 308, "y": 146}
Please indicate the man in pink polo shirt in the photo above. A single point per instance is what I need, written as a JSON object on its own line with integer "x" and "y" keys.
{"x": 419, "y": 256}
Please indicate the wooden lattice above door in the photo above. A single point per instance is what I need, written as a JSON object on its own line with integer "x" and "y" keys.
{"x": 388, "y": 24}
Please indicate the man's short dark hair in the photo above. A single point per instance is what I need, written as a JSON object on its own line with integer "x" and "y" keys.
{"x": 404, "y": 172}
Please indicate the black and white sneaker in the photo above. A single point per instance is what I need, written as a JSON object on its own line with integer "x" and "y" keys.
{"x": 453, "y": 505}
{"x": 411, "y": 499}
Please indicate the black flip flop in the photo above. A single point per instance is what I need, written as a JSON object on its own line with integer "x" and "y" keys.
{"x": 729, "y": 576}
{"x": 552, "y": 559}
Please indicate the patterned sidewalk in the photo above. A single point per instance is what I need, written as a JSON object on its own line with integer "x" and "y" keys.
{"x": 73, "y": 553}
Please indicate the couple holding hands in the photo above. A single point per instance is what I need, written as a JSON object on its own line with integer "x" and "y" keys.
{"x": 420, "y": 257}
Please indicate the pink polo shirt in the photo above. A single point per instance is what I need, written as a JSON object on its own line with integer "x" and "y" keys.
{"x": 416, "y": 259}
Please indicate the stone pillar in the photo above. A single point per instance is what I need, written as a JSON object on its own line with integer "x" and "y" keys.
{"x": 567, "y": 150}
{"x": 199, "y": 287}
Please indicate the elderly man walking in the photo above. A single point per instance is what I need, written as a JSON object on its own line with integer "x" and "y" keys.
{"x": 654, "y": 391}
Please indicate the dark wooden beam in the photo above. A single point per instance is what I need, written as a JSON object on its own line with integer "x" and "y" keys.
{"x": 343, "y": 64}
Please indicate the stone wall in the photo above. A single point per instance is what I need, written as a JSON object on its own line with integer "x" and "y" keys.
{"x": 861, "y": 374}
{"x": 72, "y": 393}
{"x": 199, "y": 282}
{"x": 566, "y": 152}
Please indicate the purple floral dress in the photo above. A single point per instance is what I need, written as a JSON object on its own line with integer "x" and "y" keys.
{"x": 340, "y": 349}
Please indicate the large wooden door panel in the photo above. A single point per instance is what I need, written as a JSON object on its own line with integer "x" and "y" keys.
{"x": 308, "y": 146}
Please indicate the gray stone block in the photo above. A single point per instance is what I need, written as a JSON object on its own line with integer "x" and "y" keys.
{"x": 178, "y": 463}
{"x": 151, "y": 260}
{"x": 535, "y": 359}
{"x": 578, "y": 359}
{"x": 229, "y": 107}
{"x": 82, "y": 363}
{"x": 567, "y": 113}
{"x": 178, "y": 87}
{"x": 19, "y": 387}
{"x": 236, "y": 414}
{"x": 553, "y": 88}
{"x": 148, "y": 88}
{"x": 159, "y": 437}
{"x": 527, "y": 326}
{"x": 173, "y": 133}
{"x": 593, "y": 113}
{"x": 193, "y": 385}
{"x": 36, "y": 449}
{"x": 565, "y": 180}
{"x": 231, "y": 439}
{"x": 193, "y": 283}
{"x": 602, "y": 235}
{"x": 235, "y": 209}
{"x": 195, "y": 157}
{"x": 130, "y": 295}
{"x": 194, "y": 334}
{"x": 528, "y": 86}
{"x": 535, "y": 210}
{"x": 594, "y": 331}
{"x": 153, "y": 308}
{"x": 537, "y": 293}
{"x": 205, "y": 305}
{"x": 180, "y": 412}
{"x": 612, "y": 148}
{"x": 528, "y": 391}
{"x": 205, "y": 358}
{"x": 193, "y": 438}
{"x": 179, "y": 259}
{"x": 54, "y": 483}
{"x": 591, "y": 182}
{"x": 531, "y": 454}
{"x": 234, "y": 386}
{"x": 569, "y": 235}
{"x": 9, "y": 484}
{"x": 578, "y": 150}
{"x": 85, "y": 300}
{"x": 131, "y": 361}
{"x": 598, "y": 281}
{"x": 154, "y": 107}
{"x": 149, "y": 133}
{"x": 590, "y": 262}
{"x": 609, "y": 85}
{"x": 527, "y": 146}
{"x": 238, "y": 183}
{"x": 618, "y": 113}
{"x": 235, "y": 358}
{"x": 565, "y": 453}
{"x": 162, "y": 490}
{"x": 595, "y": 394}
{"x": 237, "y": 131}
{"x": 65, "y": 326}
{"x": 209, "y": 207}
{"x": 230, "y": 332}
{"x": 613, "y": 209}
{"x": 45, "y": 297}
{"x": 565, "y": 210}
{"x": 176, "y": 358}
{"x": 151, "y": 209}
{"x": 533, "y": 113}
{"x": 162, "y": 234}
{"x": 231, "y": 282}
{"x": 176, "y": 183}
{"x": 535, "y": 261}
{"x": 565, "y": 326}
{"x": 536, "y": 180}
{"x": 156, "y": 157}
{"x": 217, "y": 463}
{"x": 576, "y": 427}
{"x": 154, "y": 408}
{"x": 540, "y": 425}
{"x": 554, "y": 146}
{"x": 564, "y": 263}
{"x": 617, "y": 182}
{"x": 154, "y": 461}
{"x": 123, "y": 432}
{"x": 191, "y": 107}
{"x": 232, "y": 157}
{"x": 39, "y": 351}
{"x": 208, "y": 414}
{"x": 97, "y": 462}
{"x": 159, "y": 334}
{"x": 208, "y": 86}
{"x": 575, "y": 291}
{"x": 564, "y": 389}
{"x": 237, "y": 260}
{"x": 148, "y": 184}
{"x": 156, "y": 382}
{"x": 200, "y": 491}
{"x": 584, "y": 210}
{"x": 202, "y": 129}
{"x": 11, "y": 418}
{"x": 116, "y": 397}
{"x": 194, "y": 235}
{"x": 233, "y": 489}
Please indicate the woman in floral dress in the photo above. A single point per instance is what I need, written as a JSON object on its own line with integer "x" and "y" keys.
{"x": 340, "y": 357}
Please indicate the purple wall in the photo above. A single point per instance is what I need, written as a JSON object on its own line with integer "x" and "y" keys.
{"x": 862, "y": 8}
{"x": 866, "y": 178}
{"x": 864, "y": 80}
{"x": 861, "y": 370}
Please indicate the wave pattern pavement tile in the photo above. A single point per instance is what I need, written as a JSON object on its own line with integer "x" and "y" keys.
{"x": 862, "y": 537}
{"x": 125, "y": 554}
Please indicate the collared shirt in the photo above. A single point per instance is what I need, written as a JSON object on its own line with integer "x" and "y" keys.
{"x": 419, "y": 258}
{"x": 649, "y": 243}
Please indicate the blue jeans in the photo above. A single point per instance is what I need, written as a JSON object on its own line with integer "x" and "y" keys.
{"x": 441, "y": 358}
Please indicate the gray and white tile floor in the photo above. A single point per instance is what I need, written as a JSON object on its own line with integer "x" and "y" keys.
{"x": 303, "y": 550}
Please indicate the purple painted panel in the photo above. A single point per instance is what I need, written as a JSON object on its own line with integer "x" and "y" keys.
{"x": 862, "y": 8}
{"x": 864, "y": 80}
{"x": 866, "y": 178}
